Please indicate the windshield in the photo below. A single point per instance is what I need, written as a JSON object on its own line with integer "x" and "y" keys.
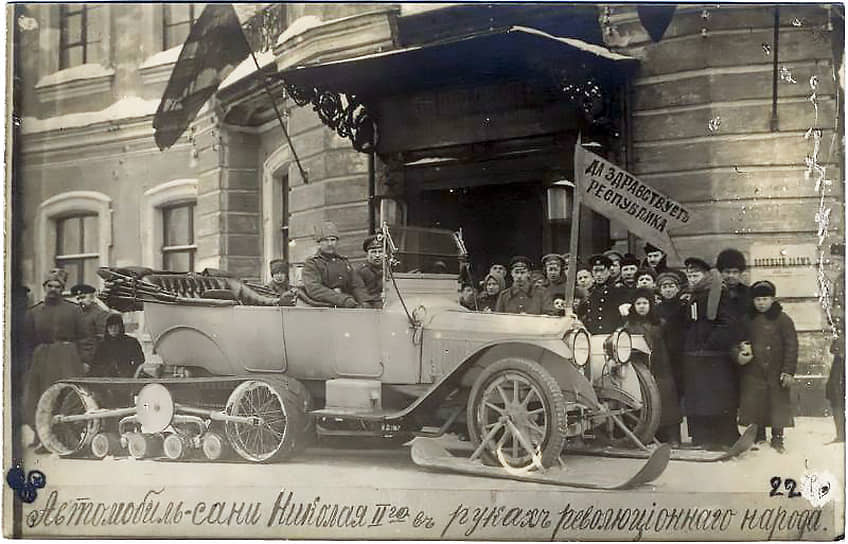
{"x": 426, "y": 250}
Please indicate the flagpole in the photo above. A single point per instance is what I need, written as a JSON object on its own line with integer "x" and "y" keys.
{"x": 575, "y": 228}
{"x": 277, "y": 112}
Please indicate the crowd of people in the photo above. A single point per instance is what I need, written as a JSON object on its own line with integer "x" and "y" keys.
{"x": 63, "y": 339}
{"x": 723, "y": 353}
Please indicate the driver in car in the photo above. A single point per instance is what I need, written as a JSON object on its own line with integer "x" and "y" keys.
{"x": 329, "y": 277}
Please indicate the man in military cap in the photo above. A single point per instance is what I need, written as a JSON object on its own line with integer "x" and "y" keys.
{"x": 371, "y": 271}
{"x": 522, "y": 297}
{"x": 279, "y": 282}
{"x": 329, "y": 277}
{"x": 655, "y": 259}
{"x": 52, "y": 328}
{"x": 554, "y": 265}
{"x": 599, "y": 312}
{"x": 94, "y": 322}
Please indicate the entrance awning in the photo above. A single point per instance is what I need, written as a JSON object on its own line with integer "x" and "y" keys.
{"x": 515, "y": 53}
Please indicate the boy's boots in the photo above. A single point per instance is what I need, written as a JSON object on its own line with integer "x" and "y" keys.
{"x": 777, "y": 441}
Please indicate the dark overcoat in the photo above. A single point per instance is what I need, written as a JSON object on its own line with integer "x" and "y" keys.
{"x": 660, "y": 366}
{"x": 775, "y": 345}
{"x": 332, "y": 279}
{"x": 487, "y": 302}
{"x": 671, "y": 314}
{"x": 94, "y": 324}
{"x": 517, "y": 300}
{"x": 599, "y": 312}
{"x": 710, "y": 385}
{"x": 51, "y": 331}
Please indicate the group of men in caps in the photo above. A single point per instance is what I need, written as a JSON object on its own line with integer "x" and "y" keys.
{"x": 329, "y": 279}
{"x": 60, "y": 340}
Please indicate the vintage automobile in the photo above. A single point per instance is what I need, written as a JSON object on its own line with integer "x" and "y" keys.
{"x": 243, "y": 374}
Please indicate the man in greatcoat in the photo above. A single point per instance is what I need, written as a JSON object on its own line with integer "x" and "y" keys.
{"x": 52, "y": 329}
{"x": 600, "y": 311}
{"x": 94, "y": 322}
{"x": 711, "y": 389}
{"x": 655, "y": 259}
{"x": 371, "y": 271}
{"x": 731, "y": 264}
{"x": 329, "y": 277}
{"x": 522, "y": 297}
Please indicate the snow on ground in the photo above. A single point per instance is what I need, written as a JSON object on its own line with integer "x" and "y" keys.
{"x": 83, "y": 71}
{"x": 126, "y": 108}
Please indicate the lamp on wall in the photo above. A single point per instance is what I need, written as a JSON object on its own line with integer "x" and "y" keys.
{"x": 559, "y": 200}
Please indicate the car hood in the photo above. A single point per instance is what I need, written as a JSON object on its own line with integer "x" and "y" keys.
{"x": 495, "y": 324}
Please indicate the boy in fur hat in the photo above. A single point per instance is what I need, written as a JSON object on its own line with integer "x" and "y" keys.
{"x": 731, "y": 264}
{"x": 766, "y": 379}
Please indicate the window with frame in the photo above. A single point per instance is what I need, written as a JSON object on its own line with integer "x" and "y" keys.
{"x": 77, "y": 41}
{"x": 176, "y": 23}
{"x": 178, "y": 247}
{"x": 77, "y": 243}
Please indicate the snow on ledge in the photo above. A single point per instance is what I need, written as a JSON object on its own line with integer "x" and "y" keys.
{"x": 127, "y": 108}
{"x": 597, "y": 50}
{"x": 298, "y": 27}
{"x": 83, "y": 71}
{"x": 247, "y": 67}
{"x": 415, "y": 9}
{"x": 168, "y": 56}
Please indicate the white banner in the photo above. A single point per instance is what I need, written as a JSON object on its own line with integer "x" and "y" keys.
{"x": 615, "y": 193}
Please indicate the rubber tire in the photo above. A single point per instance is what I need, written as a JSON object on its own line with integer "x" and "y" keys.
{"x": 646, "y": 429}
{"x": 293, "y": 404}
{"x": 553, "y": 399}
{"x": 44, "y": 418}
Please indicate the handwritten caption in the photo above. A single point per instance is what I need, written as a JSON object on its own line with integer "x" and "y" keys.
{"x": 288, "y": 510}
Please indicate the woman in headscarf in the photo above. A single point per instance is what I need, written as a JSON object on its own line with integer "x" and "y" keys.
{"x": 492, "y": 286}
{"x": 711, "y": 388}
{"x": 643, "y": 320}
{"x": 118, "y": 355}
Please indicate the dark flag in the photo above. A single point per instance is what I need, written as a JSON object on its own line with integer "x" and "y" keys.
{"x": 656, "y": 19}
{"x": 214, "y": 47}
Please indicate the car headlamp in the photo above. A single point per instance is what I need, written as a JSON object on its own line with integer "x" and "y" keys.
{"x": 578, "y": 341}
{"x": 622, "y": 345}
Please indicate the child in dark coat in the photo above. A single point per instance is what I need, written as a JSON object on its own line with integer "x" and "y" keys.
{"x": 118, "y": 355}
{"x": 766, "y": 379}
{"x": 642, "y": 319}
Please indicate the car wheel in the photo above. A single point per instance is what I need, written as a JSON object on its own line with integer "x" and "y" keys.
{"x": 517, "y": 408}
{"x": 643, "y": 421}
{"x": 65, "y": 438}
{"x": 280, "y": 407}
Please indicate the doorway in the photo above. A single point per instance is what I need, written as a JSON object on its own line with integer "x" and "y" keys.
{"x": 497, "y": 221}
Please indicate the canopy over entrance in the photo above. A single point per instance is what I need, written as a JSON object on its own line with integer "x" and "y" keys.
{"x": 345, "y": 91}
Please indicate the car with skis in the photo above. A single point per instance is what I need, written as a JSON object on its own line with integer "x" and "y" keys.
{"x": 245, "y": 376}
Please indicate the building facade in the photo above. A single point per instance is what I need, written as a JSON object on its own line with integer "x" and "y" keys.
{"x": 457, "y": 117}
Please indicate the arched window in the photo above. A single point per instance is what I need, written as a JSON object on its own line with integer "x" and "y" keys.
{"x": 167, "y": 225}
{"x": 73, "y": 230}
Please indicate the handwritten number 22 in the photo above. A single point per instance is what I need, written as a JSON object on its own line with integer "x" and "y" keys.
{"x": 789, "y": 484}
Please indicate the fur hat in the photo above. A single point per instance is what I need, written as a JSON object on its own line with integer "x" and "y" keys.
{"x": 730, "y": 258}
{"x": 763, "y": 288}
{"x": 325, "y": 230}
{"x": 610, "y": 253}
{"x": 645, "y": 272}
{"x": 629, "y": 260}
{"x": 56, "y": 274}
{"x": 279, "y": 265}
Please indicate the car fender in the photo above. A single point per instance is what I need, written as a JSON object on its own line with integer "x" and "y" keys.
{"x": 555, "y": 357}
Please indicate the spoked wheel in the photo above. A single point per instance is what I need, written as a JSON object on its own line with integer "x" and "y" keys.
{"x": 516, "y": 408}
{"x": 642, "y": 421}
{"x": 65, "y": 438}
{"x": 279, "y": 429}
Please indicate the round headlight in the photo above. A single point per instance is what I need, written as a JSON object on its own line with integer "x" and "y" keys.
{"x": 623, "y": 346}
{"x": 580, "y": 347}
